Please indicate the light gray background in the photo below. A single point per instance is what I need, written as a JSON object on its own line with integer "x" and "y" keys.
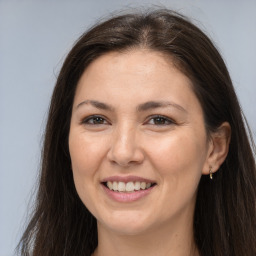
{"x": 34, "y": 38}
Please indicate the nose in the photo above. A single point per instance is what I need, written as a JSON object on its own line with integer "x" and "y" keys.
{"x": 125, "y": 149}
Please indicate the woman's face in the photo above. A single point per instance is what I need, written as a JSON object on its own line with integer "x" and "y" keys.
{"x": 137, "y": 142}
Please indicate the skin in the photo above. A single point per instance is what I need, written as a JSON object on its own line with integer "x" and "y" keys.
{"x": 173, "y": 151}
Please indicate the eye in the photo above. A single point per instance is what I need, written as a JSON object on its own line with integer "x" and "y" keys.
{"x": 94, "y": 120}
{"x": 160, "y": 120}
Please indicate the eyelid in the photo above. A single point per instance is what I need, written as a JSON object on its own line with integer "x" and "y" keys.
{"x": 88, "y": 118}
{"x": 168, "y": 119}
{"x": 85, "y": 120}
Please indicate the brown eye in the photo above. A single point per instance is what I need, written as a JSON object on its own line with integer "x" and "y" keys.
{"x": 160, "y": 120}
{"x": 95, "y": 120}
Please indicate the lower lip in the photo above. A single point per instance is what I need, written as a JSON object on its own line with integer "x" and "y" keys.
{"x": 127, "y": 196}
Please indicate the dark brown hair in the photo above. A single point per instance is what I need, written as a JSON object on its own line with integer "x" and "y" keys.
{"x": 225, "y": 219}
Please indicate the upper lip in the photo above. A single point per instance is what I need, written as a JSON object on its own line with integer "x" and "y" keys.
{"x": 126, "y": 179}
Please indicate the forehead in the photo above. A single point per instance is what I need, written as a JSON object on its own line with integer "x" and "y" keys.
{"x": 134, "y": 63}
{"x": 135, "y": 75}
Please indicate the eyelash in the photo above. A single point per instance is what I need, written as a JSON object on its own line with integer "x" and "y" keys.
{"x": 165, "y": 120}
{"x": 93, "y": 118}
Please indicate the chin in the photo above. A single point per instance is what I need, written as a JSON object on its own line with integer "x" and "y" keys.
{"x": 128, "y": 229}
{"x": 127, "y": 224}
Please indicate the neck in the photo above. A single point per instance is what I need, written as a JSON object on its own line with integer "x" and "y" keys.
{"x": 166, "y": 240}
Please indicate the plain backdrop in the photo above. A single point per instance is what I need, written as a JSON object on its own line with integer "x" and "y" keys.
{"x": 35, "y": 36}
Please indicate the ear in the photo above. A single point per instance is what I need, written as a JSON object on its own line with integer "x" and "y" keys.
{"x": 217, "y": 148}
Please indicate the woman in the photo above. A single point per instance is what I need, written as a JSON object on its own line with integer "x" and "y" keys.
{"x": 146, "y": 151}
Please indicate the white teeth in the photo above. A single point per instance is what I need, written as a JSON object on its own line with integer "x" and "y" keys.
{"x": 110, "y": 185}
{"x": 121, "y": 186}
{"x": 137, "y": 185}
{"x": 114, "y": 186}
{"x": 143, "y": 185}
{"x": 128, "y": 187}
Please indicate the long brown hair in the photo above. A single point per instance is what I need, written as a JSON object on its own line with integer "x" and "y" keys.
{"x": 225, "y": 213}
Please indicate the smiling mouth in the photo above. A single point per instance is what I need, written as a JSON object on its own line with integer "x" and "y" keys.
{"x": 119, "y": 186}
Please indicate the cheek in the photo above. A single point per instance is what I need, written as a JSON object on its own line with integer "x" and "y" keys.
{"x": 85, "y": 159}
{"x": 85, "y": 154}
{"x": 179, "y": 163}
{"x": 179, "y": 159}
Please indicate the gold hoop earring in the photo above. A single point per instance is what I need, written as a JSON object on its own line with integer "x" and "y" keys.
{"x": 210, "y": 171}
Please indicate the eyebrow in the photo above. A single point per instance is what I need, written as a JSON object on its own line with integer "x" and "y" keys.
{"x": 142, "y": 107}
{"x": 158, "y": 104}
{"x": 96, "y": 104}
